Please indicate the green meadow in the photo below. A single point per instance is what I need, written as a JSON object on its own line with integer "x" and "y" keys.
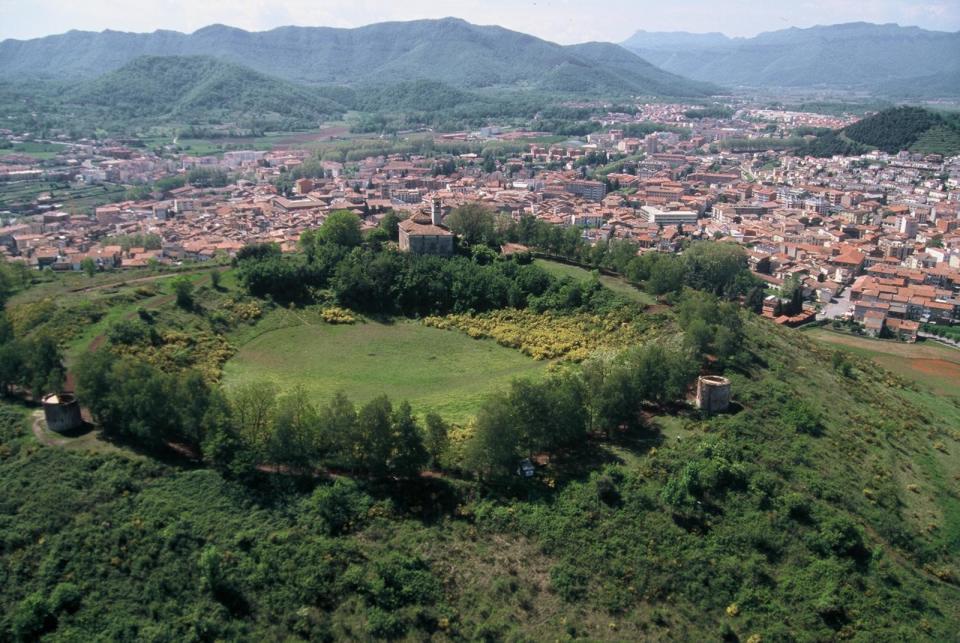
{"x": 435, "y": 370}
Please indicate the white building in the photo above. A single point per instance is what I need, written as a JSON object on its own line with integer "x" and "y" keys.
{"x": 668, "y": 217}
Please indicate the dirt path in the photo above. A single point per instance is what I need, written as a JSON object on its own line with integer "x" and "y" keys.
{"x": 138, "y": 280}
{"x": 40, "y": 432}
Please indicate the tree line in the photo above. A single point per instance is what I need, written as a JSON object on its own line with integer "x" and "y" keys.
{"x": 31, "y": 364}
{"x": 256, "y": 428}
{"x": 366, "y": 275}
{"x": 717, "y": 268}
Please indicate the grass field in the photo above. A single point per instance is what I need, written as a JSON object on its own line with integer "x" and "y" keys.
{"x": 270, "y": 140}
{"x": 39, "y": 151}
{"x": 935, "y": 365}
{"x": 615, "y": 284}
{"x": 436, "y": 370}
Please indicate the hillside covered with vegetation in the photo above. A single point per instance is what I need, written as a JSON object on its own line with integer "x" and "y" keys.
{"x": 199, "y": 97}
{"x": 886, "y": 59}
{"x": 449, "y": 50}
{"x": 445, "y": 75}
{"x": 893, "y": 130}
{"x": 193, "y": 87}
{"x": 821, "y": 506}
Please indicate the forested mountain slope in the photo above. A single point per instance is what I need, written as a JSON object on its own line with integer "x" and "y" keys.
{"x": 448, "y": 50}
{"x": 190, "y": 86}
{"x": 893, "y": 130}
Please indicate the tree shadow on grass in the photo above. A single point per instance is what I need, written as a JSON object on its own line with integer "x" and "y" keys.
{"x": 168, "y": 453}
{"x": 428, "y": 500}
{"x": 384, "y": 319}
{"x": 596, "y": 453}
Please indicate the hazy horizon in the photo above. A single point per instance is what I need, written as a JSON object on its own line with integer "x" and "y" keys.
{"x": 562, "y": 21}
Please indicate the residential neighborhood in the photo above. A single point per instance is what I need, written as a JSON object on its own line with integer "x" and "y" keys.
{"x": 874, "y": 238}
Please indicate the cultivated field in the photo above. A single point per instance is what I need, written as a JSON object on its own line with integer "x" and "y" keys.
{"x": 39, "y": 151}
{"x": 935, "y": 365}
{"x": 436, "y": 370}
{"x": 81, "y": 198}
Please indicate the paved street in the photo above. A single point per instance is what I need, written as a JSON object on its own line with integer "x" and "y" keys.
{"x": 838, "y": 307}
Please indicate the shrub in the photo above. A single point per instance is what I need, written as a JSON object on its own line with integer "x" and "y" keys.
{"x": 32, "y": 618}
{"x": 801, "y": 418}
{"x": 128, "y": 332}
{"x": 341, "y": 506}
{"x": 385, "y": 625}
{"x": 11, "y": 424}
{"x": 401, "y": 581}
{"x": 797, "y": 506}
{"x": 183, "y": 288}
{"x": 837, "y": 536}
{"x": 568, "y": 582}
{"x": 571, "y": 336}
{"x": 65, "y": 598}
{"x": 337, "y": 315}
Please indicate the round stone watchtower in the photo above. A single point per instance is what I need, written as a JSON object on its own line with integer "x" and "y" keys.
{"x": 713, "y": 393}
{"x": 62, "y": 412}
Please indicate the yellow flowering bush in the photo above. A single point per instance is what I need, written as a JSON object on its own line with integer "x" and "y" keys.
{"x": 244, "y": 310}
{"x": 550, "y": 335}
{"x": 204, "y": 351}
{"x": 337, "y": 315}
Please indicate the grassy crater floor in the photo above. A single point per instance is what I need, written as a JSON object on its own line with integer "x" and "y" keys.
{"x": 436, "y": 370}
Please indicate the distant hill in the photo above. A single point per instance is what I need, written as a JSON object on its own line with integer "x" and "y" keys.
{"x": 941, "y": 85}
{"x": 415, "y": 95}
{"x": 184, "y": 86}
{"x": 619, "y": 67}
{"x": 854, "y": 55}
{"x": 675, "y": 40}
{"x": 893, "y": 130}
{"x": 450, "y": 51}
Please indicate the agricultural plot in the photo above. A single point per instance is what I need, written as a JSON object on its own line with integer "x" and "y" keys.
{"x": 39, "y": 151}
{"x": 934, "y": 365}
{"x": 82, "y": 198}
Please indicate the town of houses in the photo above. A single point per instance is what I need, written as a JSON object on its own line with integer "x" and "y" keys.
{"x": 874, "y": 238}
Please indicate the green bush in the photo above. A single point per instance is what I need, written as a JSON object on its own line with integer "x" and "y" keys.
{"x": 341, "y": 507}
{"x": 799, "y": 417}
{"x": 568, "y": 582}
{"x": 32, "y": 618}
{"x": 838, "y": 536}
{"x": 11, "y": 424}
{"x": 65, "y": 597}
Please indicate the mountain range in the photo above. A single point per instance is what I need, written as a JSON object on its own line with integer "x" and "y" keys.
{"x": 449, "y": 50}
{"x": 887, "y": 59}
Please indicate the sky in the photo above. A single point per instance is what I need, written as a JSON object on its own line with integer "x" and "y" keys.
{"x": 562, "y": 21}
